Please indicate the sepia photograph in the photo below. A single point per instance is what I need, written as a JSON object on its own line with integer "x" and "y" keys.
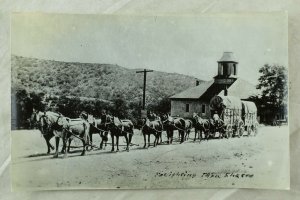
{"x": 149, "y": 102}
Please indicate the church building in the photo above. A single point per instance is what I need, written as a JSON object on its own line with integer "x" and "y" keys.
{"x": 226, "y": 82}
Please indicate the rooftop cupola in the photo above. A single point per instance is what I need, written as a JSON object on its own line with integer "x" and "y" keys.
{"x": 227, "y": 66}
{"x": 227, "y": 71}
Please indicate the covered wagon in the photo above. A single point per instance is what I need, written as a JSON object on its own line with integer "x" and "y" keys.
{"x": 234, "y": 113}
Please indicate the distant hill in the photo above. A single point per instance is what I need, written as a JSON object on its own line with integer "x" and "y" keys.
{"x": 103, "y": 81}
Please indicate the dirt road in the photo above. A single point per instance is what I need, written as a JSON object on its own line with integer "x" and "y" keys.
{"x": 260, "y": 161}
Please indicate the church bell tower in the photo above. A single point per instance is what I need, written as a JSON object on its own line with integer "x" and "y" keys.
{"x": 227, "y": 71}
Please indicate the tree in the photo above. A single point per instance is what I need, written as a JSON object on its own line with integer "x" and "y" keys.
{"x": 273, "y": 85}
{"x": 36, "y": 100}
{"x": 69, "y": 107}
{"x": 162, "y": 106}
{"x": 22, "y": 105}
{"x": 120, "y": 108}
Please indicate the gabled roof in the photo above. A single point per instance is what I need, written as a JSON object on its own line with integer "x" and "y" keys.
{"x": 207, "y": 90}
{"x": 242, "y": 89}
{"x": 194, "y": 92}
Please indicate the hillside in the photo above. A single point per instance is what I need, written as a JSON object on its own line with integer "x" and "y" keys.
{"x": 104, "y": 81}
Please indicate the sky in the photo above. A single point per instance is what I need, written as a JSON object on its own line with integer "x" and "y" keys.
{"x": 189, "y": 45}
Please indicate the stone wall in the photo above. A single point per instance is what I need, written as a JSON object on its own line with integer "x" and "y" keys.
{"x": 178, "y": 108}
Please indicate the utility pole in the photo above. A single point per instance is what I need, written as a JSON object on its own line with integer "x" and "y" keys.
{"x": 144, "y": 89}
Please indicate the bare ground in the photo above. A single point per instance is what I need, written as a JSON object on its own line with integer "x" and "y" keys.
{"x": 260, "y": 161}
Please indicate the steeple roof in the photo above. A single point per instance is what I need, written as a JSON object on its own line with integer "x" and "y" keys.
{"x": 228, "y": 57}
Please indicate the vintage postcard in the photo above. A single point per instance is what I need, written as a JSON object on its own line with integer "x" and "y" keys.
{"x": 148, "y": 102}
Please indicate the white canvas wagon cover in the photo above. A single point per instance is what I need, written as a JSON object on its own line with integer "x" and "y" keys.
{"x": 249, "y": 113}
{"x": 249, "y": 107}
{"x": 230, "y": 102}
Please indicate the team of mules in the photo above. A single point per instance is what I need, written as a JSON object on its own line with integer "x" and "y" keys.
{"x": 56, "y": 125}
{"x": 83, "y": 128}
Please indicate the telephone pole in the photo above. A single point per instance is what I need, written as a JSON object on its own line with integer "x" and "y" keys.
{"x": 144, "y": 89}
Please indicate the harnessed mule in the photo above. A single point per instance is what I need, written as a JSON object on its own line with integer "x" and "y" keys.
{"x": 152, "y": 127}
{"x": 170, "y": 124}
{"x": 95, "y": 128}
{"x": 201, "y": 125}
{"x": 119, "y": 128}
{"x": 38, "y": 121}
{"x": 188, "y": 125}
{"x": 72, "y": 134}
{"x": 105, "y": 121}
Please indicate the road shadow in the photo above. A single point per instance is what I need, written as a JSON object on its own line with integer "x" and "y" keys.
{"x": 38, "y": 155}
{"x": 50, "y": 154}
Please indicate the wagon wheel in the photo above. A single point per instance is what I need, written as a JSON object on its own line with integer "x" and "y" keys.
{"x": 249, "y": 130}
{"x": 228, "y": 131}
{"x": 241, "y": 129}
{"x": 222, "y": 131}
{"x": 255, "y": 129}
{"x": 217, "y": 129}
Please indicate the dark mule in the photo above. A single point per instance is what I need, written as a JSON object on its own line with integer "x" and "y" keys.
{"x": 96, "y": 128}
{"x": 38, "y": 121}
{"x": 119, "y": 128}
{"x": 170, "y": 125}
{"x": 152, "y": 127}
{"x": 202, "y": 126}
{"x": 105, "y": 121}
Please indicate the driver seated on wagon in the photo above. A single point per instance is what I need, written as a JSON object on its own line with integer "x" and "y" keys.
{"x": 216, "y": 117}
{"x": 217, "y": 120}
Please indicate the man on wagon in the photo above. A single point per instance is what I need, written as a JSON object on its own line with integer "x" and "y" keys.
{"x": 216, "y": 117}
{"x": 218, "y": 122}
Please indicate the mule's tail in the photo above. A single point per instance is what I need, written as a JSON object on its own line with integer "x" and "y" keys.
{"x": 182, "y": 123}
{"x": 131, "y": 132}
{"x": 86, "y": 130}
